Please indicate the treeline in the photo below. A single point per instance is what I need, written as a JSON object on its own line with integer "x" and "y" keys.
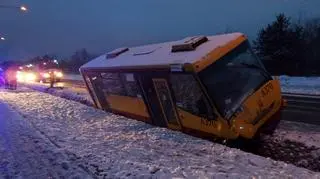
{"x": 79, "y": 58}
{"x": 290, "y": 48}
{"x": 70, "y": 65}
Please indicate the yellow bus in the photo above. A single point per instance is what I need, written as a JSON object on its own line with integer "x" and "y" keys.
{"x": 213, "y": 85}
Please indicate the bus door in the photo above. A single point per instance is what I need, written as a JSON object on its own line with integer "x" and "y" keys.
{"x": 166, "y": 103}
{"x": 151, "y": 100}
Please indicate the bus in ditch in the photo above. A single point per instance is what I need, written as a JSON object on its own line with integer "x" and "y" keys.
{"x": 212, "y": 85}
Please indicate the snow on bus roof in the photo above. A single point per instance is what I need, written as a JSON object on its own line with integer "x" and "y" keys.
{"x": 160, "y": 54}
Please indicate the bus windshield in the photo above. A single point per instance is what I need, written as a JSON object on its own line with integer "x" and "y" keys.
{"x": 231, "y": 79}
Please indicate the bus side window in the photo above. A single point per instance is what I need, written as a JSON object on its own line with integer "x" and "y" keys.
{"x": 112, "y": 84}
{"x": 123, "y": 84}
{"x": 131, "y": 85}
{"x": 189, "y": 96}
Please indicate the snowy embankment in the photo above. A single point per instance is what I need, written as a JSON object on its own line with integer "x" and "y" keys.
{"x": 25, "y": 153}
{"x": 72, "y": 93}
{"x": 300, "y": 85}
{"x": 289, "y": 144}
{"x": 75, "y": 77}
{"x": 294, "y": 142}
{"x": 113, "y": 146}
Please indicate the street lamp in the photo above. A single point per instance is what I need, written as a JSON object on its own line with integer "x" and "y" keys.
{"x": 21, "y": 8}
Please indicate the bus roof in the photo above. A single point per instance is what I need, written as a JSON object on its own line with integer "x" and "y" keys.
{"x": 160, "y": 54}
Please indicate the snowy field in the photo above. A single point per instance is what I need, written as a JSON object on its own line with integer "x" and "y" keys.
{"x": 111, "y": 146}
{"x": 300, "y": 85}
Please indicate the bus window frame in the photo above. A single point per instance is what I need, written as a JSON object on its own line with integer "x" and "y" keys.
{"x": 215, "y": 112}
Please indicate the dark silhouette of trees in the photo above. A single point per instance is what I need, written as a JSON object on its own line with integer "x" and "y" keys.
{"x": 312, "y": 37}
{"x": 69, "y": 65}
{"x": 75, "y": 61}
{"x": 290, "y": 48}
{"x": 280, "y": 45}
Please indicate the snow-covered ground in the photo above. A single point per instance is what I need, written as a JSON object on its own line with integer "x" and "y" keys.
{"x": 25, "y": 153}
{"x": 78, "y": 94}
{"x": 76, "y": 77}
{"x": 294, "y": 142}
{"x": 112, "y": 146}
{"x": 300, "y": 85}
{"x": 307, "y": 134}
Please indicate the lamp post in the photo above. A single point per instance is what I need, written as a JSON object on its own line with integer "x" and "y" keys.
{"x": 21, "y": 8}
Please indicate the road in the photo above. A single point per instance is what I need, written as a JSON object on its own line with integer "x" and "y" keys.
{"x": 301, "y": 108}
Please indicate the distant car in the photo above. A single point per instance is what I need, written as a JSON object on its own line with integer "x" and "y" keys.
{"x": 44, "y": 75}
{"x": 26, "y": 74}
{"x": 40, "y": 72}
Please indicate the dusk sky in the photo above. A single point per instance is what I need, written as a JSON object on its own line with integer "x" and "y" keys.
{"x": 63, "y": 26}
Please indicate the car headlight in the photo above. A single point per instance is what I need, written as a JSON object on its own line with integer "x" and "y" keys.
{"x": 59, "y": 74}
{"x": 19, "y": 76}
{"x": 46, "y": 75}
{"x": 31, "y": 77}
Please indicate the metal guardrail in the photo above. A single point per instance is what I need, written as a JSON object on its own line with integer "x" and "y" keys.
{"x": 302, "y": 108}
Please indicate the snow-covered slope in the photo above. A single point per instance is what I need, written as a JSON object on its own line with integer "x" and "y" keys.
{"x": 113, "y": 146}
{"x": 75, "y": 77}
{"x": 301, "y": 141}
{"x": 73, "y": 93}
{"x": 25, "y": 153}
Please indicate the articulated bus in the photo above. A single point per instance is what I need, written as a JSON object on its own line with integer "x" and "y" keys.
{"x": 213, "y": 85}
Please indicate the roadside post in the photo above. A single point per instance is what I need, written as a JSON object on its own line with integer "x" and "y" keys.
{"x": 51, "y": 79}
